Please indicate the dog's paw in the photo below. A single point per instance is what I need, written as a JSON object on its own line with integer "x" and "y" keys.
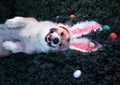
{"x": 9, "y": 45}
{"x": 14, "y": 22}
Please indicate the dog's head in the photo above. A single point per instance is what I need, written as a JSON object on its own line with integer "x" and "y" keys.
{"x": 58, "y": 38}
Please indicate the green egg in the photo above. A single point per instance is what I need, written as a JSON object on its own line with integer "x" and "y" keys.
{"x": 106, "y": 27}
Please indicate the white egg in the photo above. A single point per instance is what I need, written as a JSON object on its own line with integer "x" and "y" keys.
{"x": 92, "y": 45}
{"x": 77, "y": 74}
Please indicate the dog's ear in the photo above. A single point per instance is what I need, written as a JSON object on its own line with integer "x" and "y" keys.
{"x": 68, "y": 22}
{"x": 66, "y": 27}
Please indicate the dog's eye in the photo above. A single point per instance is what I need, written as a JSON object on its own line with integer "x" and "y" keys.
{"x": 61, "y": 45}
{"x": 52, "y": 30}
{"x": 62, "y": 34}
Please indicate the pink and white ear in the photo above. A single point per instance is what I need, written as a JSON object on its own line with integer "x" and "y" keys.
{"x": 84, "y": 45}
{"x": 82, "y": 28}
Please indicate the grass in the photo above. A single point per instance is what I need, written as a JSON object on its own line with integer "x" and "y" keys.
{"x": 98, "y": 68}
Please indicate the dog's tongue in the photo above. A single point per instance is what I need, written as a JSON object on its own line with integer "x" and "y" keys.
{"x": 49, "y": 38}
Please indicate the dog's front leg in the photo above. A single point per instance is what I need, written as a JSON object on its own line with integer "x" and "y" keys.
{"x": 15, "y": 22}
{"x": 14, "y": 47}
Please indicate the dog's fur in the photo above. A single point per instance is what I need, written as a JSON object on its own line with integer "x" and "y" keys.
{"x": 30, "y": 36}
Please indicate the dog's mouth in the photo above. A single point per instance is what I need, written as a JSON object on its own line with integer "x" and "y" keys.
{"x": 52, "y": 38}
{"x": 49, "y": 35}
{"x": 49, "y": 38}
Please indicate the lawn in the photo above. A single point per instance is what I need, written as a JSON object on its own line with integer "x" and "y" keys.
{"x": 98, "y": 68}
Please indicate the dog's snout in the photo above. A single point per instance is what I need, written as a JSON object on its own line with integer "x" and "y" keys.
{"x": 55, "y": 40}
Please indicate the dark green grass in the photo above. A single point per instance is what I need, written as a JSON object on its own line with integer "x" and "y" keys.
{"x": 98, "y": 68}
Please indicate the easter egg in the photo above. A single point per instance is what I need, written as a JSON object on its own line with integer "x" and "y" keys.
{"x": 77, "y": 74}
{"x": 113, "y": 35}
{"x": 72, "y": 16}
{"x": 106, "y": 27}
{"x": 92, "y": 44}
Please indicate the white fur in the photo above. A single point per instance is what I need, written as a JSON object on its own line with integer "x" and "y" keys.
{"x": 13, "y": 23}
{"x": 14, "y": 47}
{"x": 31, "y": 35}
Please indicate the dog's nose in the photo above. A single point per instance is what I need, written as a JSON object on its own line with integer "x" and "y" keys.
{"x": 55, "y": 40}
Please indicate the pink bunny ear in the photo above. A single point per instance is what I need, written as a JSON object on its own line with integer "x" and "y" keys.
{"x": 82, "y": 28}
{"x": 84, "y": 45}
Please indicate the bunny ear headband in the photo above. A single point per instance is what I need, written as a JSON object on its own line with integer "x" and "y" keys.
{"x": 80, "y": 43}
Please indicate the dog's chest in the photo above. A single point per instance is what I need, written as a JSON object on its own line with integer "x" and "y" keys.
{"x": 34, "y": 40}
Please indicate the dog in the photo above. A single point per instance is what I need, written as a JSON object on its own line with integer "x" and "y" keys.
{"x": 30, "y": 36}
